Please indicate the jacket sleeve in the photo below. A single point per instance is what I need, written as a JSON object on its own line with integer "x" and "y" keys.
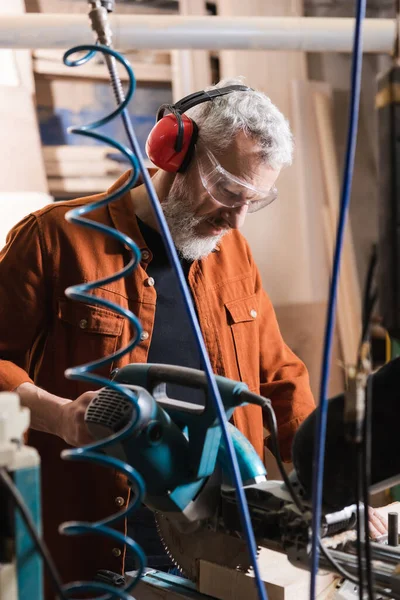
{"x": 284, "y": 377}
{"x": 22, "y": 301}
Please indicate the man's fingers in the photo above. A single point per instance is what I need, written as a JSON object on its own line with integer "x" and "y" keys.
{"x": 377, "y": 523}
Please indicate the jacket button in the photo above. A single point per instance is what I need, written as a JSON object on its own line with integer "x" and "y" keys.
{"x": 149, "y": 282}
{"x": 83, "y": 323}
{"x": 253, "y": 313}
{"x": 116, "y": 552}
{"x": 144, "y": 335}
{"x": 145, "y": 255}
{"x": 119, "y": 501}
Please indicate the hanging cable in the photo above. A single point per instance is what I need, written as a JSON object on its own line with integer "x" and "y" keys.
{"x": 366, "y": 481}
{"x": 318, "y": 459}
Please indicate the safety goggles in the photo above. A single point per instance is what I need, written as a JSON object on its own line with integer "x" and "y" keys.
{"x": 228, "y": 190}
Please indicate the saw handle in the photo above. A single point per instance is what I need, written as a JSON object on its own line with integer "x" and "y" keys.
{"x": 154, "y": 378}
{"x": 178, "y": 375}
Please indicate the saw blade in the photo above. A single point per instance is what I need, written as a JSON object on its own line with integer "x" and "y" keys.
{"x": 187, "y": 549}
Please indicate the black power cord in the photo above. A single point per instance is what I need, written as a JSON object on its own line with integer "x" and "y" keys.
{"x": 359, "y": 527}
{"x": 41, "y": 547}
{"x": 265, "y": 403}
{"x": 341, "y": 570}
{"x": 364, "y": 452}
{"x": 366, "y": 480}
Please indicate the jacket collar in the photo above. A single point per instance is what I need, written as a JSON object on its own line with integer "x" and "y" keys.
{"x": 121, "y": 211}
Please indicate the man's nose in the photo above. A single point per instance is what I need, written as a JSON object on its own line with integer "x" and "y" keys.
{"x": 235, "y": 216}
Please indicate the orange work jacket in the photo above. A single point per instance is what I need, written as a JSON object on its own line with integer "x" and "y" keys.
{"x": 42, "y": 333}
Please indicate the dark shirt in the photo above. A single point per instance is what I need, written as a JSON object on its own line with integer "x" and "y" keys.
{"x": 173, "y": 343}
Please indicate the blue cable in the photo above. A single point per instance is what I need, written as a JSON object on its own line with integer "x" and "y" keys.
{"x": 83, "y": 373}
{"x": 320, "y": 431}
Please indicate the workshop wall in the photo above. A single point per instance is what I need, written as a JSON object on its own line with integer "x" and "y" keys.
{"x": 23, "y": 185}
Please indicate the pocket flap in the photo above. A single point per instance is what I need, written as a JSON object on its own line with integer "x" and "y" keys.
{"x": 243, "y": 309}
{"x": 94, "y": 319}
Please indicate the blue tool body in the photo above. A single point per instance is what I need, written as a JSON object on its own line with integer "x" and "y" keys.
{"x": 176, "y": 446}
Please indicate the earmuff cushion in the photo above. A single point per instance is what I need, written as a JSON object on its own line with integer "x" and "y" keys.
{"x": 161, "y": 143}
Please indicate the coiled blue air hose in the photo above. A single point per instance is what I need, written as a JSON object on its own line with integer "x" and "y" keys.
{"x": 84, "y": 372}
{"x": 82, "y": 293}
{"x": 320, "y": 432}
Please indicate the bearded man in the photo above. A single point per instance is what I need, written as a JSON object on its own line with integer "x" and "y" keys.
{"x": 239, "y": 144}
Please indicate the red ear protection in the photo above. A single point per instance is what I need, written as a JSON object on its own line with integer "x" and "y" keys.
{"x": 166, "y": 148}
{"x": 172, "y": 140}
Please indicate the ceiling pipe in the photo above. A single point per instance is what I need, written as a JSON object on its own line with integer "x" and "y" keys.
{"x": 167, "y": 32}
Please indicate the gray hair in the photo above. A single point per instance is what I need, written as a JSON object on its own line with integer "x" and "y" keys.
{"x": 253, "y": 113}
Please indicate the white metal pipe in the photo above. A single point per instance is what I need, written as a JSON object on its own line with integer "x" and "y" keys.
{"x": 310, "y": 34}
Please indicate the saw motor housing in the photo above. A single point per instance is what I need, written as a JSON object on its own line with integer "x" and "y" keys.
{"x": 174, "y": 445}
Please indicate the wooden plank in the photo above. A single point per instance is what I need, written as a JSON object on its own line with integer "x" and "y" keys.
{"x": 280, "y": 230}
{"x": 75, "y": 153}
{"x": 282, "y": 580}
{"x": 153, "y": 57}
{"x": 191, "y": 69}
{"x": 81, "y": 6}
{"x": 15, "y": 66}
{"x": 85, "y": 168}
{"x": 20, "y": 156}
{"x": 79, "y": 185}
{"x": 349, "y": 293}
{"x": 302, "y": 327}
{"x": 14, "y": 206}
{"x": 159, "y": 73}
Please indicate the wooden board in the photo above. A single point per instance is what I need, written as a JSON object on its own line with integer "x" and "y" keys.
{"x": 302, "y": 327}
{"x": 191, "y": 69}
{"x": 349, "y": 293}
{"x": 79, "y": 7}
{"x": 22, "y": 166}
{"x": 20, "y": 155}
{"x": 75, "y": 170}
{"x": 283, "y": 581}
{"x": 14, "y": 206}
{"x": 52, "y": 66}
{"x": 278, "y": 236}
{"x": 15, "y": 65}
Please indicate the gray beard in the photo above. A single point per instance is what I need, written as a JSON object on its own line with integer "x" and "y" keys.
{"x": 182, "y": 225}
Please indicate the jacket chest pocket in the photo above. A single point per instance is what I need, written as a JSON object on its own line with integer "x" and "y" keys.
{"x": 88, "y": 332}
{"x": 243, "y": 321}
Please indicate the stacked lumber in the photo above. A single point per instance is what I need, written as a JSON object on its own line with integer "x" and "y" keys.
{"x": 81, "y": 170}
{"x": 152, "y": 67}
{"x": 81, "y": 6}
{"x": 74, "y": 96}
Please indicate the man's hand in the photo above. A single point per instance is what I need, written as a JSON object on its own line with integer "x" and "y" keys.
{"x": 56, "y": 415}
{"x": 73, "y": 429}
{"x": 377, "y": 524}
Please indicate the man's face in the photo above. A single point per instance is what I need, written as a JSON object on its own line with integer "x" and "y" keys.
{"x": 196, "y": 220}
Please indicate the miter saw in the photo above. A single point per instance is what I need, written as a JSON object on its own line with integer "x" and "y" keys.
{"x": 176, "y": 447}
